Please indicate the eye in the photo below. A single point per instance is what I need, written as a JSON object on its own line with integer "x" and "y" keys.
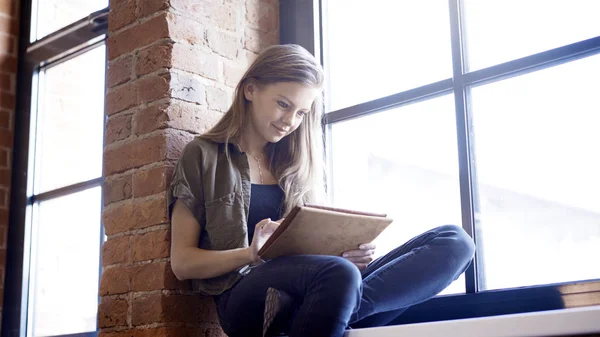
{"x": 282, "y": 104}
{"x": 301, "y": 113}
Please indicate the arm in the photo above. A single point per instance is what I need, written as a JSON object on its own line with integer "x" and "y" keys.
{"x": 190, "y": 262}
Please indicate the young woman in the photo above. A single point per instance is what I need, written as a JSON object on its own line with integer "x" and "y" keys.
{"x": 233, "y": 184}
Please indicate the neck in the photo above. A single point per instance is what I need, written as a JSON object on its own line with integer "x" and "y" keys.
{"x": 252, "y": 143}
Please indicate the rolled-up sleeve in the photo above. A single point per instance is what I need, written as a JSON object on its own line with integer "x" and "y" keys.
{"x": 186, "y": 185}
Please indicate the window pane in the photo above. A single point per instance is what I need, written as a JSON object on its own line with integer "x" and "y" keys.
{"x": 65, "y": 278}
{"x": 404, "y": 164}
{"x": 53, "y": 15}
{"x": 380, "y": 47}
{"x": 70, "y": 121}
{"x": 537, "y": 145}
{"x": 498, "y": 31}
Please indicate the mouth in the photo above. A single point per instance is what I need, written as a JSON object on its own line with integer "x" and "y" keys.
{"x": 282, "y": 131}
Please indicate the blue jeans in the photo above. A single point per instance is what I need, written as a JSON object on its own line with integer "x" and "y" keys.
{"x": 332, "y": 294}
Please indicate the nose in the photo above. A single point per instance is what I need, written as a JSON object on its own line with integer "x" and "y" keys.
{"x": 289, "y": 118}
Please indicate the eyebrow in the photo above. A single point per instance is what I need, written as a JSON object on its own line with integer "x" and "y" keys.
{"x": 289, "y": 100}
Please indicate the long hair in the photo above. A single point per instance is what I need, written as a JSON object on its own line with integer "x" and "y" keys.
{"x": 296, "y": 161}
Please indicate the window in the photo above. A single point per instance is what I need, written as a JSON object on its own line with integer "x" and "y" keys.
{"x": 482, "y": 114}
{"x": 65, "y": 216}
{"x": 49, "y": 16}
{"x": 61, "y": 124}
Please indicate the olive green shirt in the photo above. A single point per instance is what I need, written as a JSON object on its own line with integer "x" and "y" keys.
{"x": 216, "y": 189}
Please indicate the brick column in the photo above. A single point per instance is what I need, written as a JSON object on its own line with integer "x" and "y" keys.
{"x": 9, "y": 31}
{"x": 172, "y": 70}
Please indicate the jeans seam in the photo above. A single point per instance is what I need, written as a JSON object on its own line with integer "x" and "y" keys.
{"x": 384, "y": 269}
{"x": 311, "y": 303}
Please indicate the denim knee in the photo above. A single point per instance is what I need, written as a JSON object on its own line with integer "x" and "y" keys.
{"x": 461, "y": 246}
{"x": 341, "y": 276}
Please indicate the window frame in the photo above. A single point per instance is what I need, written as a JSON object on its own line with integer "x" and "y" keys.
{"x": 301, "y": 23}
{"x": 53, "y": 49}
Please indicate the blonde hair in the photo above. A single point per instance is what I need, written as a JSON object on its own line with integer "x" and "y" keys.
{"x": 297, "y": 160}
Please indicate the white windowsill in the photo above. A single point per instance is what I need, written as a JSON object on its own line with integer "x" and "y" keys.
{"x": 566, "y": 322}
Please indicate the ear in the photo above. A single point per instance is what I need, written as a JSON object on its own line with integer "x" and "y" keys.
{"x": 249, "y": 90}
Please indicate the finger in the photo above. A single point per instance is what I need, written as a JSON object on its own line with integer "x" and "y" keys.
{"x": 355, "y": 260}
{"x": 367, "y": 246}
{"x": 359, "y": 253}
{"x": 361, "y": 266}
{"x": 270, "y": 227}
{"x": 263, "y": 222}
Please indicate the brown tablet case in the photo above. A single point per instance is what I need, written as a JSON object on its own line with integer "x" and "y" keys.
{"x": 321, "y": 230}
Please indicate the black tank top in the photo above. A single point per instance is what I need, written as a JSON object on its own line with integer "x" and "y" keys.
{"x": 266, "y": 201}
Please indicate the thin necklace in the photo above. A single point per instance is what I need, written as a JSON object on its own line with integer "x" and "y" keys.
{"x": 257, "y": 158}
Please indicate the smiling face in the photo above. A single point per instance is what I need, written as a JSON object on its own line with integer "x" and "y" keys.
{"x": 277, "y": 109}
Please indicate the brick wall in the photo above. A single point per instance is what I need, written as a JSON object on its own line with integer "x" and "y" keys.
{"x": 173, "y": 65}
{"x": 8, "y": 77}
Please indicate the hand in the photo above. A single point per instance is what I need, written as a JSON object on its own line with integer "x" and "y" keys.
{"x": 262, "y": 232}
{"x": 361, "y": 257}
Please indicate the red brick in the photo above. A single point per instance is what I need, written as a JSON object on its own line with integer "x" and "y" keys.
{"x": 7, "y": 101}
{"x": 183, "y": 29}
{"x": 255, "y": 40}
{"x": 188, "y": 87}
{"x": 5, "y": 176}
{"x": 8, "y": 44}
{"x": 233, "y": 73}
{"x": 119, "y": 71}
{"x": 178, "y": 332}
{"x": 160, "y": 308}
{"x": 218, "y": 99}
{"x": 151, "y": 245}
{"x": 138, "y": 36}
{"x": 150, "y": 212}
{"x": 115, "y": 280}
{"x": 9, "y": 64}
{"x": 150, "y": 119}
{"x": 135, "y": 153}
{"x": 121, "y": 15}
{"x": 3, "y": 233}
{"x": 112, "y": 312}
{"x": 5, "y": 119}
{"x": 176, "y": 142}
{"x": 153, "y": 87}
{"x": 118, "y": 218}
{"x": 6, "y": 82}
{"x": 123, "y": 333}
{"x": 226, "y": 44}
{"x": 2, "y": 257}
{"x": 4, "y": 162}
{"x": 3, "y": 217}
{"x": 143, "y": 90}
{"x": 148, "y": 7}
{"x": 3, "y": 198}
{"x": 195, "y": 61}
{"x": 154, "y": 276}
{"x": 118, "y": 128}
{"x": 121, "y": 98}
{"x": 116, "y": 189}
{"x": 177, "y": 115}
{"x": 153, "y": 58}
{"x": 9, "y": 26}
{"x": 116, "y": 3}
{"x": 116, "y": 250}
{"x": 224, "y": 15}
{"x": 262, "y": 15}
{"x": 6, "y": 138}
{"x": 152, "y": 181}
